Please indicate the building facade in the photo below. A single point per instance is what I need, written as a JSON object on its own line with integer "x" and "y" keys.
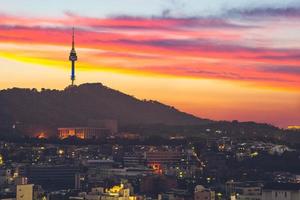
{"x": 281, "y": 191}
{"x": 83, "y": 132}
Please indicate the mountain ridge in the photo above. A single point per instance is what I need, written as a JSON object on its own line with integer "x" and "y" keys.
{"x": 75, "y": 105}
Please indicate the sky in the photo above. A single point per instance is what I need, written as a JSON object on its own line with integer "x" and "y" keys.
{"x": 222, "y": 60}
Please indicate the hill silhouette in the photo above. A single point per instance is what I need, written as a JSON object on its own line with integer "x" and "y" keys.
{"x": 74, "y": 106}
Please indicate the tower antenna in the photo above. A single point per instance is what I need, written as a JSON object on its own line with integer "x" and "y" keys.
{"x": 73, "y": 58}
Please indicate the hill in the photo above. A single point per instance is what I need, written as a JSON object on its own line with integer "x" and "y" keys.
{"x": 74, "y": 106}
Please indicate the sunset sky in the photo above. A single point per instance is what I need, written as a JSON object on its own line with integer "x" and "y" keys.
{"x": 216, "y": 59}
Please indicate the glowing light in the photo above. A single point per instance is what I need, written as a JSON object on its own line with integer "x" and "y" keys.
{"x": 156, "y": 167}
{"x": 254, "y": 154}
{"x": 1, "y": 160}
{"x": 41, "y": 135}
{"x": 61, "y": 152}
{"x": 293, "y": 127}
{"x": 115, "y": 189}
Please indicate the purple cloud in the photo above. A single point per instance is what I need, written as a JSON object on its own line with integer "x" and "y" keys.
{"x": 265, "y": 12}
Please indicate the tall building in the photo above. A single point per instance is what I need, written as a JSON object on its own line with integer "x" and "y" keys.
{"x": 73, "y": 58}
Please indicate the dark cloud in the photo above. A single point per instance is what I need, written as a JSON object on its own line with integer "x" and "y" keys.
{"x": 290, "y": 56}
{"x": 295, "y": 70}
{"x": 233, "y": 76}
{"x": 129, "y": 55}
{"x": 265, "y": 12}
{"x": 215, "y": 46}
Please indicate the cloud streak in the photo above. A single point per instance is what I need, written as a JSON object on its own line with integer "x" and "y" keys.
{"x": 267, "y": 12}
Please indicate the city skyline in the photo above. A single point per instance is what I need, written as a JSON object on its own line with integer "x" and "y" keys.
{"x": 239, "y": 62}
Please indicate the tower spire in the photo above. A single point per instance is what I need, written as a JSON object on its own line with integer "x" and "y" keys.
{"x": 73, "y": 58}
{"x": 73, "y": 39}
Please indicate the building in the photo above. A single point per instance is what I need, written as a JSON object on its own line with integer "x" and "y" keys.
{"x": 163, "y": 157}
{"x": 250, "y": 190}
{"x": 133, "y": 160}
{"x": 281, "y": 191}
{"x": 110, "y": 124}
{"x": 117, "y": 192}
{"x": 157, "y": 184}
{"x": 160, "y": 161}
{"x": 21, "y": 180}
{"x": 98, "y": 174}
{"x": 79, "y": 181}
{"x": 51, "y": 176}
{"x": 202, "y": 193}
{"x": 99, "y": 163}
{"x": 5, "y": 176}
{"x": 83, "y": 132}
{"x": 30, "y": 192}
{"x": 278, "y": 149}
{"x": 175, "y": 194}
{"x": 128, "y": 136}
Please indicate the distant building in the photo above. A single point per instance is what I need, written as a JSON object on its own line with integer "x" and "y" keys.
{"x": 20, "y": 180}
{"x": 83, "y": 132}
{"x": 133, "y": 160}
{"x": 110, "y": 124}
{"x": 97, "y": 174}
{"x": 128, "y": 136}
{"x": 163, "y": 157}
{"x": 103, "y": 163}
{"x": 157, "y": 184}
{"x": 175, "y": 194}
{"x": 79, "y": 181}
{"x": 250, "y": 190}
{"x": 5, "y": 175}
{"x": 117, "y": 192}
{"x": 279, "y": 149}
{"x": 281, "y": 191}
{"x": 51, "y": 176}
{"x": 29, "y": 192}
{"x": 202, "y": 193}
